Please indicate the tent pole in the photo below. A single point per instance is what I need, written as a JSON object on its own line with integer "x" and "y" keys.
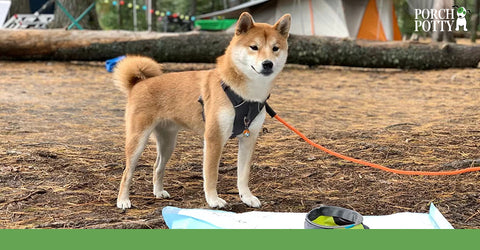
{"x": 312, "y": 22}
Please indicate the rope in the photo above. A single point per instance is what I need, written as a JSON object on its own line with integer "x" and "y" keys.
{"x": 369, "y": 164}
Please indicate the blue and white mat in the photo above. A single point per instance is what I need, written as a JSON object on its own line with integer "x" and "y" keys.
{"x": 179, "y": 218}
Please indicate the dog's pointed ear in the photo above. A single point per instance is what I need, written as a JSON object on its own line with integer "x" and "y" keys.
{"x": 283, "y": 25}
{"x": 244, "y": 24}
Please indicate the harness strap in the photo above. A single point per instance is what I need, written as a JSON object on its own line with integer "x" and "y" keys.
{"x": 245, "y": 111}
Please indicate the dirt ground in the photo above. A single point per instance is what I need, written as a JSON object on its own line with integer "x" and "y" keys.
{"x": 62, "y": 138}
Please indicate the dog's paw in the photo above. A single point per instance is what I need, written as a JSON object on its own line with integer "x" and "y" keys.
{"x": 250, "y": 200}
{"x": 161, "y": 194}
{"x": 124, "y": 203}
{"x": 216, "y": 202}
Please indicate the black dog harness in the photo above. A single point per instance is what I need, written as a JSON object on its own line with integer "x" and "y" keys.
{"x": 245, "y": 111}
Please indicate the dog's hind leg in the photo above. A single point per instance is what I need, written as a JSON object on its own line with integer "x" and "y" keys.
{"x": 166, "y": 136}
{"x": 138, "y": 131}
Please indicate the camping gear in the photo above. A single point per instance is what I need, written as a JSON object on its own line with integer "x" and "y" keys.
{"x": 29, "y": 21}
{"x": 36, "y": 20}
{"x": 180, "y": 218}
{"x": 110, "y": 63}
{"x": 4, "y": 8}
{"x": 331, "y": 217}
{"x": 357, "y": 19}
{"x": 210, "y": 24}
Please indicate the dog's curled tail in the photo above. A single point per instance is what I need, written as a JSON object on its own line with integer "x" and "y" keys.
{"x": 134, "y": 69}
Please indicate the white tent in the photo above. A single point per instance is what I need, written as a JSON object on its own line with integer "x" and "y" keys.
{"x": 361, "y": 19}
{"x": 4, "y": 7}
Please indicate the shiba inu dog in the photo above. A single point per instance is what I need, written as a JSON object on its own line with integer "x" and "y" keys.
{"x": 214, "y": 103}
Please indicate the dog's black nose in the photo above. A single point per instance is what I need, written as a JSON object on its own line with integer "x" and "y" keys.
{"x": 267, "y": 65}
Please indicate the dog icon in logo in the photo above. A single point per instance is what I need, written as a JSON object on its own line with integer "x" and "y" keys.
{"x": 461, "y": 20}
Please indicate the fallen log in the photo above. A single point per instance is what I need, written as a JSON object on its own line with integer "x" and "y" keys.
{"x": 205, "y": 47}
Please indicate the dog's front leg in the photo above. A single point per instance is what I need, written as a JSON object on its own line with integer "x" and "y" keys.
{"x": 218, "y": 127}
{"x": 246, "y": 147}
{"x": 212, "y": 151}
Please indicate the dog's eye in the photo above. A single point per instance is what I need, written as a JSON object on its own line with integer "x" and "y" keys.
{"x": 275, "y": 48}
{"x": 254, "y": 47}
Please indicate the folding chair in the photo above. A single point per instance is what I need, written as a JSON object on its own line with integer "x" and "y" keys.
{"x": 30, "y": 21}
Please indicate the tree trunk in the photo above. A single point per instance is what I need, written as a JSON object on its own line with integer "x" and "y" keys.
{"x": 438, "y": 35}
{"x": 75, "y": 8}
{"x": 19, "y": 7}
{"x": 206, "y": 47}
{"x": 154, "y": 17}
{"x": 309, "y": 50}
{"x": 193, "y": 7}
{"x": 474, "y": 20}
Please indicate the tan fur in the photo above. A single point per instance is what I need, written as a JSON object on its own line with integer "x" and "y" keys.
{"x": 164, "y": 103}
{"x": 136, "y": 69}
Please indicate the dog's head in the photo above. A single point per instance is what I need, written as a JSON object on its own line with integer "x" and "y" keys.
{"x": 461, "y": 12}
{"x": 260, "y": 49}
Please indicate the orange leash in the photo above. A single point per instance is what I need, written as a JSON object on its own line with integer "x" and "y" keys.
{"x": 365, "y": 163}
